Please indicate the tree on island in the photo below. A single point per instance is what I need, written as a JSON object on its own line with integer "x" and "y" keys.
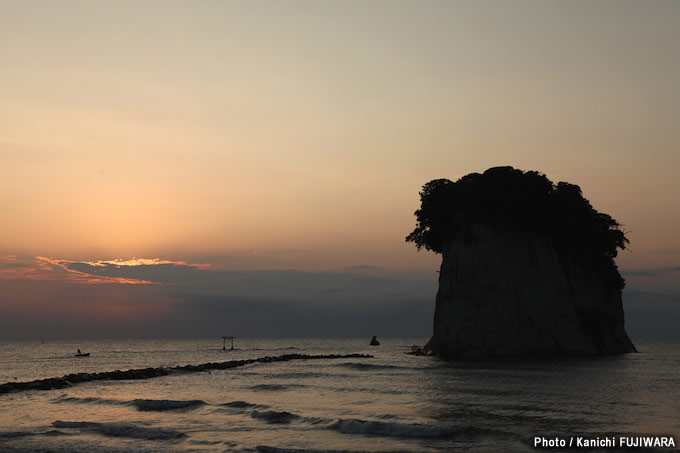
{"x": 525, "y": 201}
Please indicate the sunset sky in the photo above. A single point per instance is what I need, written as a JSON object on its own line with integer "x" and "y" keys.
{"x": 204, "y": 168}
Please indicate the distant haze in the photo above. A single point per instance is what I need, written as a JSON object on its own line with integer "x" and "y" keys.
{"x": 265, "y": 158}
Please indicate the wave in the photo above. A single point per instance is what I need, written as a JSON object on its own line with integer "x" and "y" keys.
{"x": 367, "y": 366}
{"x": 414, "y": 430}
{"x": 13, "y": 434}
{"x": 268, "y": 449}
{"x": 166, "y": 405}
{"x": 139, "y": 404}
{"x": 275, "y": 387}
{"x": 205, "y": 442}
{"x": 149, "y": 405}
{"x": 275, "y": 417}
{"x": 16, "y": 434}
{"x": 240, "y": 404}
{"x": 368, "y": 390}
{"x": 121, "y": 430}
{"x": 89, "y": 400}
{"x": 148, "y": 373}
{"x": 305, "y": 375}
{"x": 389, "y": 429}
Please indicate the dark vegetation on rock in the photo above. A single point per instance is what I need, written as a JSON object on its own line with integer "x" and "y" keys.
{"x": 147, "y": 373}
{"x": 526, "y": 201}
{"x": 527, "y": 267}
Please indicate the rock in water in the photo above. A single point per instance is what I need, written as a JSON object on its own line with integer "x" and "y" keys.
{"x": 527, "y": 267}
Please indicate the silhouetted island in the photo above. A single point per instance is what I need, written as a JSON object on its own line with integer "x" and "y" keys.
{"x": 527, "y": 267}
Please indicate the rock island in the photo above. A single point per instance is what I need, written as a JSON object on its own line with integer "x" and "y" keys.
{"x": 527, "y": 267}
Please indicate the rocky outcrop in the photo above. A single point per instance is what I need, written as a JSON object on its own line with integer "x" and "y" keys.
{"x": 504, "y": 292}
{"x": 527, "y": 267}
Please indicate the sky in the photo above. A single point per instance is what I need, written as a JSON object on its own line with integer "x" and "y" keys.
{"x": 207, "y": 168}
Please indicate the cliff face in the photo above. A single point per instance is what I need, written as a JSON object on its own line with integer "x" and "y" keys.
{"x": 504, "y": 292}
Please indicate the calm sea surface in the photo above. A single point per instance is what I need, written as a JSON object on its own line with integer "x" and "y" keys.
{"x": 393, "y": 402}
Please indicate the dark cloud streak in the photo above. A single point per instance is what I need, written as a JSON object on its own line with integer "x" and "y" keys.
{"x": 41, "y": 300}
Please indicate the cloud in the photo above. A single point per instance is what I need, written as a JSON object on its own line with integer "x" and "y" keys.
{"x": 360, "y": 267}
{"x": 639, "y": 273}
{"x": 649, "y": 272}
{"x": 13, "y": 265}
{"x": 165, "y": 298}
{"x": 175, "y": 298}
{"x": 162, "y": 272}
{"x": 651, "y": 314}
{"x": 143, "y": 262}
{"x": 43, "y": 268}
{"x": 54, "y": 308}
{"x": 189, "y": 279}
{"x": 226, "y": 315}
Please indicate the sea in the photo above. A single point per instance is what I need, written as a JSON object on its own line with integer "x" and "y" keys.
{"x": 391, "y": 402}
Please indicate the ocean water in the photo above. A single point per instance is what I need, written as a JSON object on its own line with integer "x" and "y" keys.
{"x": 392, "y": 402}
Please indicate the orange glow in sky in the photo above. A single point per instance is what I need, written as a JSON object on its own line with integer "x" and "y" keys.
{"x": 292, "y": 139}
{"x": 225, "y": 128}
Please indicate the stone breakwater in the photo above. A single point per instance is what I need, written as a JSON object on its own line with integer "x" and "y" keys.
{"x": 148, "y": 373}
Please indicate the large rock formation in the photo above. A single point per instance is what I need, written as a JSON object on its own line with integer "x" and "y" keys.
{"x": 527, "y": 267}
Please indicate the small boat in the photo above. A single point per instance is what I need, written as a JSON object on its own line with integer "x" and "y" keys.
{"x": 80, "y": 354}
